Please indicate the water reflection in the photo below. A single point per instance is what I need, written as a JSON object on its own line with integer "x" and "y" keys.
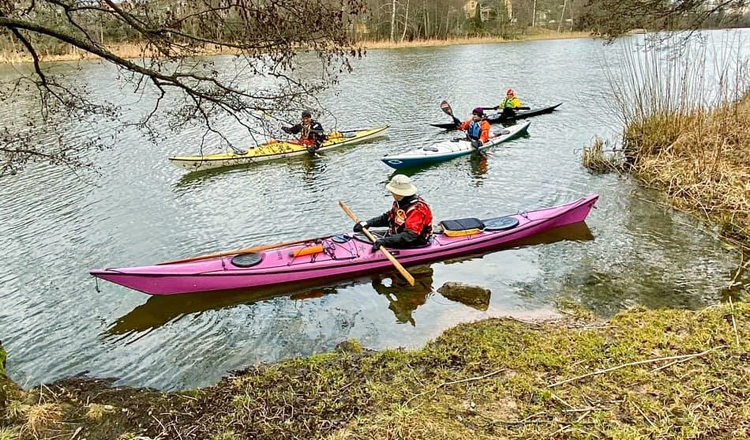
{"x": 479, "y": 166}
{"x": 403, "y": 299}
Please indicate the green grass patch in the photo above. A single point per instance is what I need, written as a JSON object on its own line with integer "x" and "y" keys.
{"x": 644, "y": 374}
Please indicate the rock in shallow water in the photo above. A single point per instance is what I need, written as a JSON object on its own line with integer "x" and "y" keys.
{"x": 477, "y": 297}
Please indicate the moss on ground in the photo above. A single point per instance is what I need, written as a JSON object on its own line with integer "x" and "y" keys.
{"x": 644, "y": 374}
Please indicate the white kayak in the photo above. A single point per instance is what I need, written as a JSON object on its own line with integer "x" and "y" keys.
{"x": 454, "y": 148}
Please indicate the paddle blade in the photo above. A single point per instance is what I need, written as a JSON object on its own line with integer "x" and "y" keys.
{"x": 446, "y": 108}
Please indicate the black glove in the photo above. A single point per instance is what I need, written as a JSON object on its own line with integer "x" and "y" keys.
{"x": 377, "y": 245}
{"x": 476, "y": 143}
{"x": 359, "y": 226}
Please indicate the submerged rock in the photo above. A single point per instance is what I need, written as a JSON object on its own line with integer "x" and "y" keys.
{"x": 477, "y": 297}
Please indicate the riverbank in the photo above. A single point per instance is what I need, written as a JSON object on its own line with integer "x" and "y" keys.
{"x": 644, "y": 374}
{"x": 130, "y": 50}
{"x": 700, "y": 159}
{"x": 536, "y": 36}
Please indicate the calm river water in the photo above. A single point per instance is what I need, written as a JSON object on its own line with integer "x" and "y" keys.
{"x": 55, "y": 226}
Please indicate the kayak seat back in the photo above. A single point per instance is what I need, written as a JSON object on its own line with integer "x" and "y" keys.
{"x": 462, "y": 227}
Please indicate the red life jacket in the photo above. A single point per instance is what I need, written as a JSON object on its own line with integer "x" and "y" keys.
{"x": 417, "y": 217}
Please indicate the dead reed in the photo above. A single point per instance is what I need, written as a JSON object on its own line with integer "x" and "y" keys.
{"x": 599, "y": 158}
{"x": 686, "y": 115}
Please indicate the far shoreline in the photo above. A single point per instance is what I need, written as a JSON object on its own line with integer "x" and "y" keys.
{"x": 134, "y": 51}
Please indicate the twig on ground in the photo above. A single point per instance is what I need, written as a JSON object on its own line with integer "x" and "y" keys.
{"x": 679, "y": 361}
{"x": 734, "y": 325}
{"x": 444, "y": 384}
{"x": 561, "y": 400}
{"x": 643, "y": 414}
{"x": 630, "y": 364}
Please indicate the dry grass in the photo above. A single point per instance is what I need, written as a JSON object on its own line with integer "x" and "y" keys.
{"x": 686, "y": 119}
{"x": 124, "y": 50}
{"x": 456, "y": 41}
{"x": 701, "y": 159}
{"x": 597, "y": 160}
{"x": 42, "y": 417}
{"x": 9, "y": 434}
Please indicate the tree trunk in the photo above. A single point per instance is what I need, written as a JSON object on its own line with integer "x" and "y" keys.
{"x": 406, "y": 21}
{"x": 393, "y": 19}
{"x": 562, "y": 16}
{"x": 533, "y": 15}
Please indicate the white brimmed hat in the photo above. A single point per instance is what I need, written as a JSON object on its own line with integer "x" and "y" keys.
{"x": 401, "y": 185}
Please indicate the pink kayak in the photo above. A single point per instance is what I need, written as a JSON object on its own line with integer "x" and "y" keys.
{"x": 339, "y": 256}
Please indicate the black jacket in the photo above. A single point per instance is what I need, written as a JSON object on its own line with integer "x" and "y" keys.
{"x": 315, "y": 133}
{"x": 404, "y": 239}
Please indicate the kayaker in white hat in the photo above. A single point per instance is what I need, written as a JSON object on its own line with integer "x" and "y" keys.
{"x": 409, "y": 221}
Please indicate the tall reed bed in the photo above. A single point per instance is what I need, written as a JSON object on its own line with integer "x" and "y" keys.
{"x": 685, "y": 110}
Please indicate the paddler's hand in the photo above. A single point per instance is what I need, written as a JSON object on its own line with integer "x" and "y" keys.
{"x": 359, "y": 226}
{"x": 286, "y": 129}
{"x": 376, "y": 246}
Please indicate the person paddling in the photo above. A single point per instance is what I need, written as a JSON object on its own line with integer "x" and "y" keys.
{"x": 310, "y": 131}
{"x": 409, "y": 219}
{"x": 510, "y": 104}
{"x": 477, "y": 128}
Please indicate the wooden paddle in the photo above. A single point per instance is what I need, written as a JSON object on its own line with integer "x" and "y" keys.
{"x": 446, "y": 108}
{"x": 241, "y": 251}
{"x": 387, "y": 254}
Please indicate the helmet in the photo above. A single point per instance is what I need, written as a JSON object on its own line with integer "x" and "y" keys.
{"x": 510, "y": 92}
{"x": 306, "y": 114}
{"x": 478, "y": 111}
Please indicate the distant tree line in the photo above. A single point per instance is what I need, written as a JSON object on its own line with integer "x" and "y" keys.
{"x": 407, "y": 20}
{"x": 399, "y": 20}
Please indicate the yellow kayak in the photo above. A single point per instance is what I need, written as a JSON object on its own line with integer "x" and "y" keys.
{"x": 273, "y": 149}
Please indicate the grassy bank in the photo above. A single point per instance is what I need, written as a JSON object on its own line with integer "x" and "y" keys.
{"x": 700, "y": 159}
{"x": 132, "y": 50}
{"x": 644, "y": 374}
{"x": 686, "y": 129}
